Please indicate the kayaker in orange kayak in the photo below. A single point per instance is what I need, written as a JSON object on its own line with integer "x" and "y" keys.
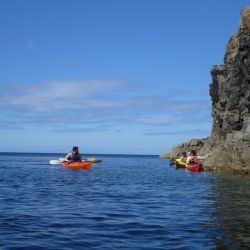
{"x": 74, "y": 155}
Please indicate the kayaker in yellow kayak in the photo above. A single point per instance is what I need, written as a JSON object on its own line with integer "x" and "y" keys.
{"x": 183, "y": 157}
{"x": 74, "y": 155}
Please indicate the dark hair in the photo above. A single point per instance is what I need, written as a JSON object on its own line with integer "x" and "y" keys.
{"x": 193, "y": 152}
{"x": 75, "y": 148}
{"x": 184, "y": 153}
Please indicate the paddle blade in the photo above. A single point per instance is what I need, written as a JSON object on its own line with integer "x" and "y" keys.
{"x": 54, "y": 162}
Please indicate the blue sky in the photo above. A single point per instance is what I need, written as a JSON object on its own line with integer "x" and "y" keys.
{"x": 111, "y": 76}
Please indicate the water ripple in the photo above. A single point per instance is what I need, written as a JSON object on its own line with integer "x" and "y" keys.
{"x": 126, "y": 202}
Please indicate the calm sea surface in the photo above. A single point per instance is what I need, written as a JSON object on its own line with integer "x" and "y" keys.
{"x": 125, "y": 202}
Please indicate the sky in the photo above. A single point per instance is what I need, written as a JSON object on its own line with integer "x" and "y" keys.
{"x": 111, "y": 76}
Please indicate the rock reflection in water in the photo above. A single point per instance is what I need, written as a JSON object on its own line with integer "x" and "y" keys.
{"x": 231, "y": 216}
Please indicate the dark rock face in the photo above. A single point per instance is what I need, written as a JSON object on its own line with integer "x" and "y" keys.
{"x": 229, "y": 143}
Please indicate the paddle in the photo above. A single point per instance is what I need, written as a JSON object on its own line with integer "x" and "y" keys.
{"x": 54, "y": 162}
{"x": 60, "y": 160}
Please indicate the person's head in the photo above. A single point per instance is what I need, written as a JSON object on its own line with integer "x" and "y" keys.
{"x": 75, "y": 149}
{"x": 193, "y": 152}
{"x": 184, "y": 154}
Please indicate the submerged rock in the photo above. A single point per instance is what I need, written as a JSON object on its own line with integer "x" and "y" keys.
{"x": 229, "y": 143}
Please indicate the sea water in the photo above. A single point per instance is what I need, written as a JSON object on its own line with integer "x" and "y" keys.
{"x": 124, "y": 202}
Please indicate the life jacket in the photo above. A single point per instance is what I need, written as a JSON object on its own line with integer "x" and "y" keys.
{"x": 75, "y": 156}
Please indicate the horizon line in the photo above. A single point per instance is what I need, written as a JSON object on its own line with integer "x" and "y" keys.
{"x": 82, "y": 153}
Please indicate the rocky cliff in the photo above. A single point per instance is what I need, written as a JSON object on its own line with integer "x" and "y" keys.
{"x": 229, "y": 143}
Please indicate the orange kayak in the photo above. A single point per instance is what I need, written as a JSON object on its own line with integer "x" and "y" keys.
{"x": 78, "y": 165}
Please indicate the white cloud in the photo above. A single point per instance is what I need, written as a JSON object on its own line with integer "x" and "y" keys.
{"x": 31, "y": 45}
{"x": 18, "y": 45}
{"x": 156, "y": 120}
{"x": 60, "y": 95}
{"x": 94, "y": 102}
{"x": 203, "y": 132}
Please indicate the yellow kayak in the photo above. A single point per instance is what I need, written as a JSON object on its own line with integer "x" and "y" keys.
{"x": 180, "y": 164}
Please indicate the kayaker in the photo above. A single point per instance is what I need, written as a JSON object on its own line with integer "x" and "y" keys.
{"x": 184, "y": 157}
{"x": 193, "y": 157}
{"x": 74, "y": 155}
